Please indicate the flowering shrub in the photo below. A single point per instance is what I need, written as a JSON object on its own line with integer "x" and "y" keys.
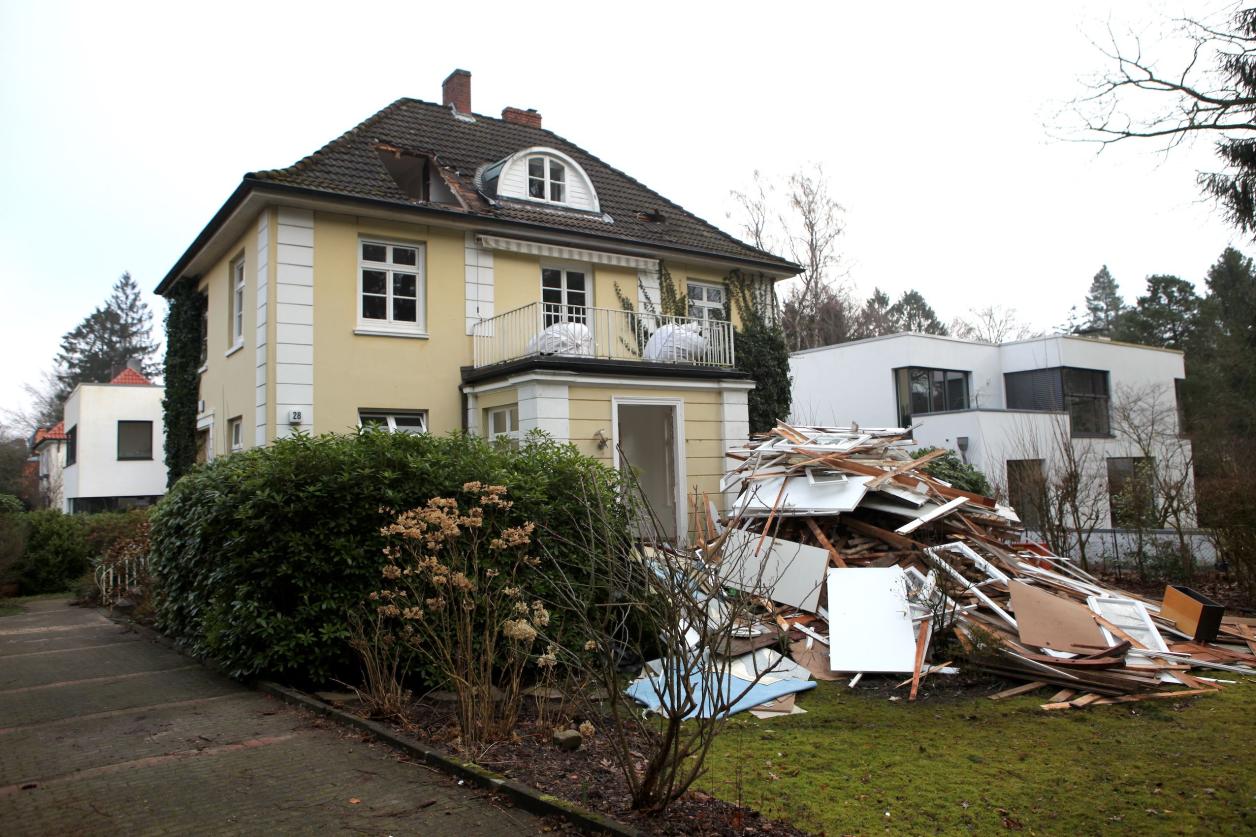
{"x": 455, "y": 590}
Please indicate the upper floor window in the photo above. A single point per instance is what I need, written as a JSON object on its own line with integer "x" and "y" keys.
{"x": 1082, "y": 393}
{"x": 394, "y": 422}
{"x": 921, "y": 390}
{"x": 237, "y": 301}
{"x": 135, "y": 440}
{"x": 391, "y": 287}
{"x": 71, "y": 446}
{"x": 706, "y": 300}
{"x": 547, "y": 179}
{"x": 564, "y": 295}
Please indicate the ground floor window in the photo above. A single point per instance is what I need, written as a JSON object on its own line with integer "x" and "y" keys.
{"x": 409, "y": 421}
{"x": 1131, "y": 491}
{"x": 1026, "y": 490}
{"x": 235, "y": 431}
{"x": 503, "y": 423}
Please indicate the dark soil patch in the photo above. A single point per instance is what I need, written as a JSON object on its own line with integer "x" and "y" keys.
{"x": 1219, "y": 587}
{"x": 588, "y": 776}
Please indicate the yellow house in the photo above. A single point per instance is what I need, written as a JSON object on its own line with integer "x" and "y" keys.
{"x": 435, "y": 269}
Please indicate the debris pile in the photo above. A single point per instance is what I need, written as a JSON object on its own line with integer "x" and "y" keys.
{"x": 863, "y": 559}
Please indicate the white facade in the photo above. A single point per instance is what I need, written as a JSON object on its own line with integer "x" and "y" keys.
{"x": 858, "y": 382}
{"x": 51, "y": 455}
{"x": 105, "y": 463}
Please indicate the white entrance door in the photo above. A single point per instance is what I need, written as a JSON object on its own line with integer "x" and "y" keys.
{"x": 646, "y": 442}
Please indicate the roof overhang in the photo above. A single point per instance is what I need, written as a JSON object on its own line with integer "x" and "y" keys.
{"x": 253, "y": 195}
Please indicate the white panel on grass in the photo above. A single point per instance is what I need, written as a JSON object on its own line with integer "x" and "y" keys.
{"x": 870, "y": 620}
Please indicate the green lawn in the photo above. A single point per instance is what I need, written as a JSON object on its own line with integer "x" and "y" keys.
{"x": 861, "y": 764}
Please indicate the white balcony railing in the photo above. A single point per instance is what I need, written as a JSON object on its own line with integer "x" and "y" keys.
{"x": 601, "y": 333}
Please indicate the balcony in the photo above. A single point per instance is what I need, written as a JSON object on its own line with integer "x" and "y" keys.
{"x": 582, "y": 333}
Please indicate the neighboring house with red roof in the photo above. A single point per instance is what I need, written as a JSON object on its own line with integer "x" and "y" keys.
{"x": 48, "y": 450}
{"x": 113, "y": 445}
{"x": 435, "y": 269}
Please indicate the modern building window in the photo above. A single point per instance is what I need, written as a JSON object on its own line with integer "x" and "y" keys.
{"x": 503, "y": 423}
{"x": 547, "y": 179}
{"x": 706, "y": 301}
{"x": 1026, "y": 490}
{"x": 1082, "y": 393}
{"x": 414, "y": 421}
{"x": 1179, "y": 397}
{"x": 71, "y": 446}
{"x": 921, "y": 390}
{"x": 204, "y": 331}
{"x": 392, "y": 287}
{"x": 135, "y": 440}
{"x": 235, "y": 432}
{"x": 237, "y": 301}
{"x": 564, "y": 295}
{"x": 1131, "y": 491}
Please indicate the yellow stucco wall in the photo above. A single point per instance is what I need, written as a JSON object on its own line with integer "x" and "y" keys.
{"x": 353, "y": 371}
{"x": 228, "y": 384}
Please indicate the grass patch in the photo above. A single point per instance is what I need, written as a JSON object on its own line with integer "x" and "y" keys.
{"x": 858, "y": 764}
{"x": 16, "y": 605}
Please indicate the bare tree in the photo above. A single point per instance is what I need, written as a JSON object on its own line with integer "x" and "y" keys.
{"x": 755, "y": 209}
{"x": 992, "y": 324}
{"x": 1207, "y": 88}
{"x": 1146, "y": 419}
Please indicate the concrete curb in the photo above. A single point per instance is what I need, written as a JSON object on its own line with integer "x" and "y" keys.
{"x": 530, "y": 799}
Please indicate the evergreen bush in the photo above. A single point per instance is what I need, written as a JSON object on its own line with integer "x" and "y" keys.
{"x": 56, "y": 553}
{"x": 261, "y": 556}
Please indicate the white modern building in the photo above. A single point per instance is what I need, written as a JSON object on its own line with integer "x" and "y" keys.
{"x": 1023, "y": 412}
{"x": 114, "y": 452}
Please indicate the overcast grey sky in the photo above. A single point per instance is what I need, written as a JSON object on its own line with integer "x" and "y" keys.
{"x": 123, "y": 126}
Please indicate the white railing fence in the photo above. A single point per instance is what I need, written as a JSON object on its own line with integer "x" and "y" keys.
{"x": 118, "y": 578}
{"x": 601, "y": 333}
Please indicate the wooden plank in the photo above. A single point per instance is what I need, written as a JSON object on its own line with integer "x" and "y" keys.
{"x": 1084, "y": 700}
{"x": 920, "y": 656}
{"x": 1062, "y": 696}
{"x": 834, "y": 555}
{"x": 1031, "y": 686}
{"x": 941, "y": 511}
{"x": 877, "y": 532}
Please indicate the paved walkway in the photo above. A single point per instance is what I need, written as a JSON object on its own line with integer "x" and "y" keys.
{"x": 104, "y": 732}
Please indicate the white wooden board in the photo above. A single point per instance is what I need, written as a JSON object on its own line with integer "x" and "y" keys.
{"x": 870, "y": 620}
{"x": 785, "y": 571}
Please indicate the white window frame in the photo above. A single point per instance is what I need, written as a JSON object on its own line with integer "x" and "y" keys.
{"x": 235, "y": 433}
{"x": 710, "y": 311}
{"x": 547, "y": 179}
{"x": 565, "y": 312}
{"x": 508, "y": 412}
{"x": 390, "y": 418}
{"x": 237, "y": 302}
{"x": 389, "y": 326}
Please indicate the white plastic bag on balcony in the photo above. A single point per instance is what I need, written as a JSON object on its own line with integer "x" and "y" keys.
{"x": 674, "y": 343}
{"x": 563, "y": 339}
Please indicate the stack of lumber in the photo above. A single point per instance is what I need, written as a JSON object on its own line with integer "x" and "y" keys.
{"x": 865, "y": 559}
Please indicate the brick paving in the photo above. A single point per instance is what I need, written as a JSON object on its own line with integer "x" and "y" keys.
{"x": 103, "y": 732}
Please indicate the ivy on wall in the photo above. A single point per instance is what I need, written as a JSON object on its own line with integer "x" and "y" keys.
{"x": 760, "y": 348}
{"x": 184, "y": 321}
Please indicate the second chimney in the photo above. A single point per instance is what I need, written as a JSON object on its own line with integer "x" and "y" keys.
{"x": 456, "y": 90}
{"x": 527, "y": 117}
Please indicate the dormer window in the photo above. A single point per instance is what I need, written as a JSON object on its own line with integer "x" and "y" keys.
{"x": 547, "y": 179}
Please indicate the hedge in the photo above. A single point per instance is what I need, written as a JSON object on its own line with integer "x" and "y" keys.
{"x": 261, "y": 556}
{"x": 46, "y": 551}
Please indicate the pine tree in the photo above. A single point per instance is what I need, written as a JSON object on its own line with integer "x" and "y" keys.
{"x": 874, "y": 317}
{"x": 1103, "y": 304}
{"x": 912, "y": 313}
{"x": 118, "y": 331}
{"x": 1165, "y": 316}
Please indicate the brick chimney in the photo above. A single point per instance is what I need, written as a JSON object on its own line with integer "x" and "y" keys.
{"x": 527, "y": 117}
{"x": 456, "y": 91}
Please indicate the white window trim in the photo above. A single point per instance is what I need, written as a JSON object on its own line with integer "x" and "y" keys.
{"x": 514, "y": 435}
{"x": 235, "y": 433}
{"x": 704, "y": 305}
{"x": 548, "y": 161}
{"x": 390, "y": 327}
{"x": 390, "y": 418}
{"x": 564, "y": 268}
{"x": 238, "y": 286}
{"x": 573, "y": 169}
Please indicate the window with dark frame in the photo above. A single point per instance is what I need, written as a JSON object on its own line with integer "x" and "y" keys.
{"x": 71, "y": 446}
{"x": 564, "y": 295}
{"x": 920, "y": 390}
{"x": 391, "y": 285}
{"x": 135, "y": 440}
{"x": 1179, "y": 396}
{"x": 1082, "y": 393}
{"x": 1131, "y": 491}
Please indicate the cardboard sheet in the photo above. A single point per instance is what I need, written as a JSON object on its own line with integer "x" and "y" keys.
{"x": 814, "y": 659}
{"x": 1052, "y": 622}
{"x": 785, "y": 571}
{"x": 870, "y": 620}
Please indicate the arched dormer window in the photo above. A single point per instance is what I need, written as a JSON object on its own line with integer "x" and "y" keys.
{"x": 544, "y": 175}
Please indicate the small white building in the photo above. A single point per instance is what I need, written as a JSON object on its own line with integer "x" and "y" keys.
{"x": 48, "y": 449}
{"x": 1022, "y": 412}
{"x": 114, "y": 451}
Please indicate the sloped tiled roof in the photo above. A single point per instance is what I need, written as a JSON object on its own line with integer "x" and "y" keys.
{"x": 349, "y": 166}
{"x": 48, "y": 434}
{"x": 130, "y": 376}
